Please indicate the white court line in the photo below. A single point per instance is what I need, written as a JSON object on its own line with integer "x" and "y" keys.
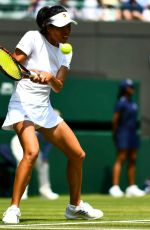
{"x": 70, "y": 228}
{"x": 74, "y": 228}
{"x": 47, "y": 225}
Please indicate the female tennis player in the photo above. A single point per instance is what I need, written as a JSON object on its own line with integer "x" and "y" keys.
{"x": 30, "y": 109}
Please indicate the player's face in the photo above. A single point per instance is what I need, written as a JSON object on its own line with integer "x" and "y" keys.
{"x": 58, "y": 35}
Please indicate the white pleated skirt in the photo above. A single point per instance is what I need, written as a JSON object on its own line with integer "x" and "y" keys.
{"x": 41, "y": 116}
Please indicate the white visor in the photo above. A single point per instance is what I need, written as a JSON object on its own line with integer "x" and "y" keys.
{"x": 61, "y": 19}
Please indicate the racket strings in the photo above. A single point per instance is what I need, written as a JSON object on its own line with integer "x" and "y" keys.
{"x": 8, "y": 65}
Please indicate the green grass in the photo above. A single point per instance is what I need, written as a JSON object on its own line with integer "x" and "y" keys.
{"x": 119, "y": 213}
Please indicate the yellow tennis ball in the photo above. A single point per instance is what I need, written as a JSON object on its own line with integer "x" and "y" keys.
{"x": 66, "y": 48}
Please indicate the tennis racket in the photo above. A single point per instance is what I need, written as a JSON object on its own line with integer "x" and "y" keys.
{"x": 12, "y": 68}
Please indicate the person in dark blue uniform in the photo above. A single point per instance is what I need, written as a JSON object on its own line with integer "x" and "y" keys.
{"x": 126, "y": 139}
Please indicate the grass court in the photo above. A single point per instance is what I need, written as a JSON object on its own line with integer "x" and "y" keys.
{"x": 119, "y": 213}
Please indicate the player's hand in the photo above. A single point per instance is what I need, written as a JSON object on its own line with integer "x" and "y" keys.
{"x": 45, "y": 77}
{"x": 35, "y": 78}
{"x": 42, "y": 77}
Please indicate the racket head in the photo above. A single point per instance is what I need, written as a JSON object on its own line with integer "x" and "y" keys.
{"x": 8, "y": 65}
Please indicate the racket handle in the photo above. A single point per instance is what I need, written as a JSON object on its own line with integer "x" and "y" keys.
{"x": 32, "y": 74}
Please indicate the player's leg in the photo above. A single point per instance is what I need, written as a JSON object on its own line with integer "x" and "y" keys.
{"x": 17, "y": 152}
{"x": 28, "y": 139}
{"x": 63, "y": 138}
{"x": 29, "y": 142}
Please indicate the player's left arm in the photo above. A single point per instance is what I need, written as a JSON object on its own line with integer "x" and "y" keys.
{"x": 57, "y": 82}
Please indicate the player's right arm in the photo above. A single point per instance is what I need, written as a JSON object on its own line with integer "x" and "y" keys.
{"x": 19, "y": 55}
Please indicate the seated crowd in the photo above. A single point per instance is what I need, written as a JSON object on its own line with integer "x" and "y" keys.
{"x": 87, "y": 10}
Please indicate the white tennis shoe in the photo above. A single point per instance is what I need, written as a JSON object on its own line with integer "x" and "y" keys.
{"x": 115, "y": 191}
{"x": 133, "y": 190}
{"x": 83, "y": 211}
{"x": 11, "y": 216}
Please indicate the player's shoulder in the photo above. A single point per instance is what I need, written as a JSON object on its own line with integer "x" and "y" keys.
{"x": 34, "y": 33}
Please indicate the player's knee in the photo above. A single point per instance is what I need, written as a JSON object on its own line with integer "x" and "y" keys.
{"x": 80, "y": 156}
{"x": 31, "y": 156}
{"x": 76, "y": 156}
{"x": 83, "y": 155}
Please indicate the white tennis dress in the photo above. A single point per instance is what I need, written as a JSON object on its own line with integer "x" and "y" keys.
{"x": 30, "y": 101}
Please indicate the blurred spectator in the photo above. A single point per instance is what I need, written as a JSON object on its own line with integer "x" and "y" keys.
{"x": 42, "y": 166}
{"x": 34, "y": 7}
{"x": 111, "y": 10}
{"x": 14, "y": 9}
{"x": 146, "y": 12}
{"x": 133, "y": 9}
{"x": 126, "y": 140}
{"x": 6, "y": 1}
{"x": 91, "y": 10}
{"x": 70, "y": 7}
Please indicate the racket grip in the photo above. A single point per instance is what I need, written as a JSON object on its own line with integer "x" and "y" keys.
{"x": 32, "y": 74}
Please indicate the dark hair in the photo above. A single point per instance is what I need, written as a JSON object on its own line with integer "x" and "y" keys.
{"x": 45, "y": 13}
